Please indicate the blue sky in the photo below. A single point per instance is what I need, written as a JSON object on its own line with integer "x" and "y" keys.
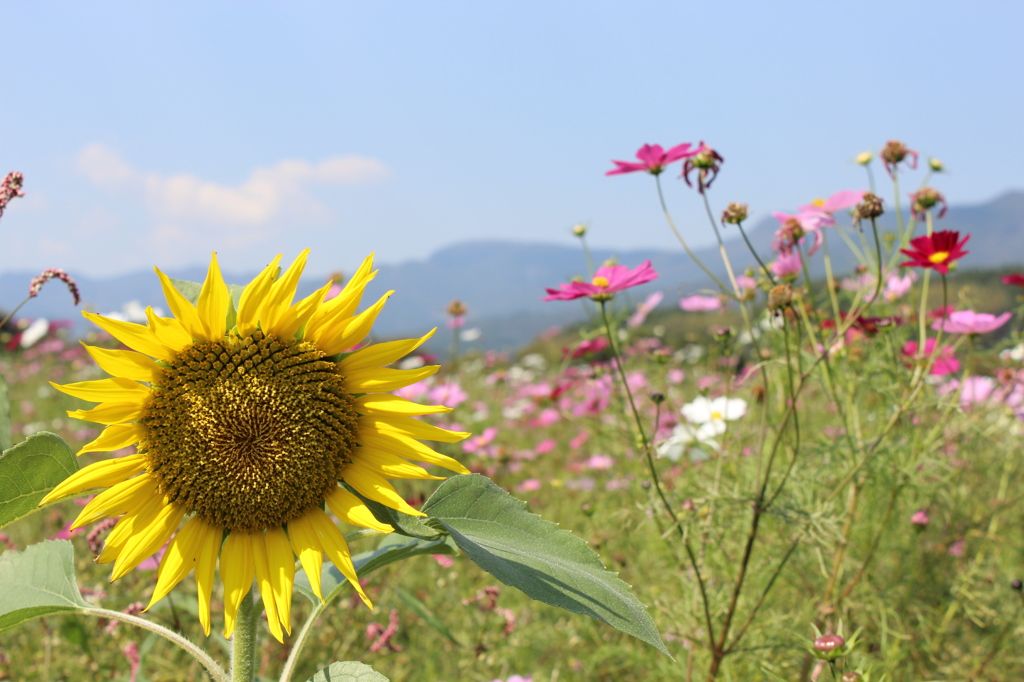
{"x": 153, "y": 133}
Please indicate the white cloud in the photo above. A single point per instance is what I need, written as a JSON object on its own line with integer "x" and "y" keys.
{"x": 265, "y": 195}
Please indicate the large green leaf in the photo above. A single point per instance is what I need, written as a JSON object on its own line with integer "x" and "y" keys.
{"x": 392, "y": 548}
{"x": 349, "y": 671}
{"x": 38, "y": 582}
{"x": 30, "y": 470}
{"x": 5, "y": 417}
{"x": 404, "y": 524}
{"x": 525, "y": 551}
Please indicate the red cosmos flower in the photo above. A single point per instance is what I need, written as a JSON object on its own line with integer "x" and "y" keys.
{"x": 653, "y": 158}
{"x": 936, "y": 251}
{"x": 1016, "y": 280}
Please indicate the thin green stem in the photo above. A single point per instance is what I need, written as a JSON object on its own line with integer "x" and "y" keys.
{"x": 12, "y": 313}
{"x": 243, "y": 642}
{"x": 721, "y": 246}
{"x": 586, "y": 254}
{"x": 689, "y": 252}
{"x": 216, "y": 672}
{"x": 753, "y": 251}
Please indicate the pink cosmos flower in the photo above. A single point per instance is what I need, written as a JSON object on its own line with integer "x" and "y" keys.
{"x": 837, "y": 202}
{"x": 970, "y": 322}
{"x": 920, "y": 518}
{"x": 599, "y": 462}
{"x": 676, "y": 376}
{"x": 747, "y": 285}
{"x": 695, "y": 304}
{"x": 545, "y": 446}
{"x": 795, "y": 228}
{"x": 478, "y": 443}
{"x": 786, "y": 265}
{"x": 528, "y": 486}
{"x": 653, "y": 159}
{"x": 945, "y": 362}
{"x": 449, "y": 394}
{"x": 976, "y": 389}
{"x": 897, "y": 287}
{"x": 607, "y": 280}
{"x": 644, "y": 309}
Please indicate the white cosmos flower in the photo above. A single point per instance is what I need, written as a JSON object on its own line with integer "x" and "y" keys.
{"x": 711, "y": 415}
{"x": 687, "y": 439}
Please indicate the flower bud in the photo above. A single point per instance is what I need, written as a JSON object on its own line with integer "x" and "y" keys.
{"x": 579, "y": 230}
{"x": 337, "y": 277}
{"x": 735, "y": 213}
{"x": 925, "y": 199}
{"x": 869, "y": 208}
{"x": 657, "y": 398}
{"x": 456, "y": 308}
{"x": 864, "y": 158}
{"x": 936, "y": 165}
{"x": 780, "y": 296}
{"x": 851, "y": 677}
{"x": 829, "y": 646}
{"x": 1017, "y": 585}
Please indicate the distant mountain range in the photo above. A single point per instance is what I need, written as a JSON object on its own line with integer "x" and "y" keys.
{"x": 503, "y": 282}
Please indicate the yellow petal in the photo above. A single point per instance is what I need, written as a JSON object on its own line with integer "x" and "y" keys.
{"x": 411, "y": 427}
{"x": 117, "y": 500}
{"x": 125, "y": 363}
{"x": 261, "y": 563}
{"x": 381, "y": 354}
{"x": 181, "y": 557}
{"x": 102, "y": 474}
{"x": 169, "y": 330}
{"x": 184, "y": 311}
{"x": 252, "y": 299}
{"x": 391, "y": 466}
{"x": 352, "y": 331}
{"x": 410, "y": 448}
{"x": 336, "y": 549}
{"x": 236, "y": 572}
{"x": 213, "y": 302}
{"x": 113, "y": 390}
{"x": 292, "y": 319}
{"x": 149, "y": 538}
{"x": 124, "y": 534}
{"x": 306, "y": 546}
{"x": 282, "y": 292}
{"x": 384, "y": 380}
{"x": 371, "y": 484}
{"x": 386, "y": 404}
{"x": 109, "y": 413}
{"x": 210, "y": 548}
{"x": 116, "y": 437}
{"x": 135, "y": 336}
{"x": 344, "y": 304}
{"x": 354, "y": 511}
{"x": 282, "y": 573}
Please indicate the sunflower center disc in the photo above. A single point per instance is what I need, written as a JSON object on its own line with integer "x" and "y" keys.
{"x": 251, "y": 433}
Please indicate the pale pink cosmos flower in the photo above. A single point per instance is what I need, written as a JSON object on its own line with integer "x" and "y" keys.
{"x": 795, "y": 228}
{"x": 747, "y": 285}
{"x": 528, "y": 486}
{"x": 545, "y": 446}
{"x": 696, "y": 304}
{"x": 644, "y": 309}
{"x": 607, "y": 280}
{"x": 413, "y": 391}
{"x": 449, "y": 394}
{"x": 896, "y": 287}
{"x": 653, "y": 159}
{"x": 976, "y": 389}
{"x": 786, "y": 265}
{"x": 920, "y": 518}
{"x": 599, "y": 462}
{"x": 676, "y": 376}
{"x": 481, "y": 441}
{"x": 837, "y": 202}
{"x": 970, "y": 322}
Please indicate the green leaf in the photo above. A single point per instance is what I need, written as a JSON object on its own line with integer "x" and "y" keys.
{"x": 350, "y": 671}
{"x": 38, "y": 582}
{"x": 404, "y": 524}
{"x": 190, "y": 290}
{"x": 525, "y": 551}
{"x": 423, "y": 612}
{"x": 5, "y": 417}
{"x": 30, "y": 470}
{"x": 392, "y": 548}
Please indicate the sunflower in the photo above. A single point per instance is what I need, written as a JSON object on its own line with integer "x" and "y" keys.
{"x": 247, "y": 423}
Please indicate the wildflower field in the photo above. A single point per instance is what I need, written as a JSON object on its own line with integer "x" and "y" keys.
{"x": 794, "y": 476}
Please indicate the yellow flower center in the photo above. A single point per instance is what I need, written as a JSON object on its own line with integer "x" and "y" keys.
{"x": 600, "y": 282}
{"x": 249, "y": 433}
{"x": 939, "y": 257}
{"x": 818, "y": 202}
{"x": 716, "y": 416}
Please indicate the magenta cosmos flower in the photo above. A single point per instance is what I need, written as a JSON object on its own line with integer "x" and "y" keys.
{"x": 607, "y": 280}
{"x": 698, "y": 304}
{"x": 653, "y": 158}
{"x": 970, "y": 322}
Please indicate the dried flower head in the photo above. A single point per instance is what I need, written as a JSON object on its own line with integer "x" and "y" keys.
{"x": 925, "y": 199}
{"x": 895, "y": 152}
{"x": 780, "y": 296}
{"x": 53, "y": 273}
{"x": 706, "y": 162}
{"x": 735, "y": 213}
{"x": 869, "y": 208}
{"x": 456, "y": 308}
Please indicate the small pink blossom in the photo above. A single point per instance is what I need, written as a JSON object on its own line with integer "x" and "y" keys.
{"x": 547, "y": 417}
{"x": 131, "y": 652}
{"x": 479, "y": 442}
{"x": 456, "y": 322}
{"x": 449, "y": 394}
{"x": 413, "y": 391}
{"x": 443, "y": 560}
{"x": 975, "y": 389}
{"x": 599, "y": 462}
{"x": 957, "y": 548}
{"x": 837, "y": 202}
{"x": 945, "y": 362}
{"x": 382, "y": 635}
{"x": 653, "y": 159}
{"x": 786, "y": 266}
{"x": 693, "y": 304}
{"x": 970, "y": 322}
{"x": 747, "y": 285}
{"x": 545, "y": 446}
{"x": 896, "y": 287}
{"x": 644, "y": 309}
{"x": 528, "y": 486}
{"x": 606, "y": 281}
{"x": 676, "y": 376}
{"x": 579, "y": 440}
{"x": 920, "y": 518}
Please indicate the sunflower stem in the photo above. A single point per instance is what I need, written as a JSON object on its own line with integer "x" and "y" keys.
{"x": 243, "y": 643}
